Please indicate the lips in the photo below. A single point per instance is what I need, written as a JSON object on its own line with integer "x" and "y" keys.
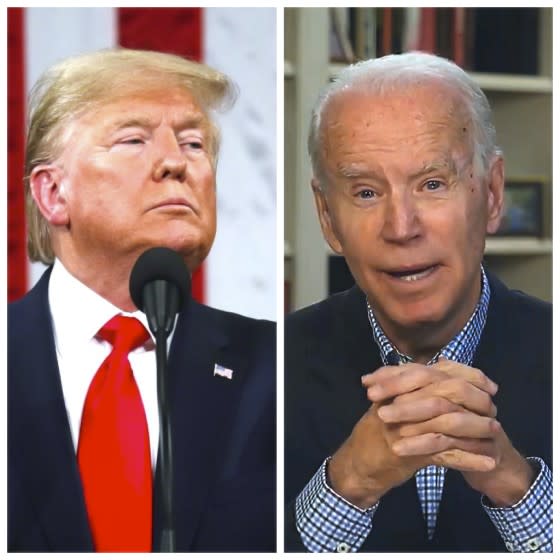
{"x": 412, "y": 273}
{"x": 173, "y": 203}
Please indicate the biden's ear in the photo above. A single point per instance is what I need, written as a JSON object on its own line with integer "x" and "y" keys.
{"x": 495, "y": 194}
{"x": 49, "y": 194}
{"x": 325, "y": 217}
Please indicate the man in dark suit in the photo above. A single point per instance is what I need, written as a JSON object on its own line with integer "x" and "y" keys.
{"x": 121, "y": 157}
{"x": 418, "y": 403}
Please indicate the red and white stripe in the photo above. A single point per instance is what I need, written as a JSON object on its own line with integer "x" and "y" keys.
{"x": 240, "y": 273}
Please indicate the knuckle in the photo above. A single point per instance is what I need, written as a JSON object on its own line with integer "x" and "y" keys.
{"x": 479, "y": 377}
{"x": 452, "y": 387}
{"x": 487, "y": 403}
{"x": 491, "y": 425}
{"x": 452, "y": 421}
{"x": 425, "y": 375}
{"x": 444, "y": 458}
{"x": 441, "y": 405}
{"x": 433, "y": 442}
{"x": 399, "y": 399}
{"x": 454, "y": 382}
{"x": 406, "y": 430}
{"x": 458, "y": 385}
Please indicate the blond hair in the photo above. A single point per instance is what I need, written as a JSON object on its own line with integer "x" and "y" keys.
{"x": 81, "y": 84}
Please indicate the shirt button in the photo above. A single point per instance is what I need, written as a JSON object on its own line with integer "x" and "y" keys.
{"x": 342, "y": 547}
{"x": 533, "y": 544}
{"x": 509, "y": 546}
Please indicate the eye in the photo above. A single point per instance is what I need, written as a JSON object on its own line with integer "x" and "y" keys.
{"x": 366, "y": 194}
{"x": 132, "y": 141}
{"x": 194, "y": 144}
{"x": 433, "y": 185}
{"x": 191, "y": 141}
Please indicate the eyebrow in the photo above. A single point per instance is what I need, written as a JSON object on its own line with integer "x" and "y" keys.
{"x": 354, "y": 171}
{"x": 191, "y": 121}
{"x": 448, "y": 164}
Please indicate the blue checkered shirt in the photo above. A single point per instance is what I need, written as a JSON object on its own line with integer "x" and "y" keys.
{"x": 327, "y": 522}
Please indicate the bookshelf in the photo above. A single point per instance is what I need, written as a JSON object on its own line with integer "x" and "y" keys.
{"x": 522, "y": 106}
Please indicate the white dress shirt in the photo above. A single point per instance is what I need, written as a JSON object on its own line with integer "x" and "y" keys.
{"x": 77, "y": 315}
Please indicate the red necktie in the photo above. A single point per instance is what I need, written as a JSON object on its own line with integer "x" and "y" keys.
{"x": 114, "y": 447}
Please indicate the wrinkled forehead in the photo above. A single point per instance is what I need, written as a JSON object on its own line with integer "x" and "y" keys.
{"x": 421, "y": 108}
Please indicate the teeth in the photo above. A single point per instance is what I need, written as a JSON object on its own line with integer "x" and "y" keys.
{"x": 417, "y": 275}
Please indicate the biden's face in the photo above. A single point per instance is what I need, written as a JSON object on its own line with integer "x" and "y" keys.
{"x": 138, "y": 173}
{"x": 400, "y": 199}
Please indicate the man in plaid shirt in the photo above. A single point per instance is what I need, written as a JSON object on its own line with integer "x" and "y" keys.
{"x": 408, "y": 181}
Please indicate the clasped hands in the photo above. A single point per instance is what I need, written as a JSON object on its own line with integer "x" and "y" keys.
{"x": 441, "y": 414}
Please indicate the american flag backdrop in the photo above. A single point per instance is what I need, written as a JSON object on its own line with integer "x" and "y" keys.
{"x": 240, "y": 273}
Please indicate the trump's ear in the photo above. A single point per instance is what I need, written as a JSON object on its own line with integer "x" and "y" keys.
{"x": 325, "y": 217}
{"x": 47, "y": 190}
{"x": 495, "y": 194}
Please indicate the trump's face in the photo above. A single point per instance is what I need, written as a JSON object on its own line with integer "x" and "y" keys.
{"x": 401, "y": 201}
{"x": 134, "y": 174}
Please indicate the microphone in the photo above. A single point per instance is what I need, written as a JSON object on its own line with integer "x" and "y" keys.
{"x": 159, "y": 286}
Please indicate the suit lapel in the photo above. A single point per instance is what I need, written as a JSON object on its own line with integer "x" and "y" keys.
{"x": 48, "y": 467}
{"x": 354, "y": 328}
{"x": 489, "y": 357}
{"x": 203, "y": 405}
{"x": 344, "y": 352}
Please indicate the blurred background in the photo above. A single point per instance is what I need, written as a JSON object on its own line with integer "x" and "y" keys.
{"x": 240, "y": 273}
{"x": 509, "y": 53}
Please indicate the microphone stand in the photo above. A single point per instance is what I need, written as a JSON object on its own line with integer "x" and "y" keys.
{"x": 159, "y": 284}
{"x": 165, "y": 481}
{"x": 161, "y": 301}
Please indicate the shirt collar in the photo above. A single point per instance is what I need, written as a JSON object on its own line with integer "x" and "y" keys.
{"x": 77, "y": 311}
{"x": 460, "y": 349}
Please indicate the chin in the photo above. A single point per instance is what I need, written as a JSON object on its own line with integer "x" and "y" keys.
{"x": 193, "y": 248}
{"x": 193, "y": 253}
{"x": 187, "y": 241}
{"x": 418, "y": 314}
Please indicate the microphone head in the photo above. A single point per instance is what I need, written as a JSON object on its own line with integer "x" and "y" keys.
{"x": 159, "y": 263}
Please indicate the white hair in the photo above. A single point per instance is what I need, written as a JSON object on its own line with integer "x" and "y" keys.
{"x": 395, "y": 71}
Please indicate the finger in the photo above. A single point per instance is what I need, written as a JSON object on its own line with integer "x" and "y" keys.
{"x": 383, "y": 373}
{"x": 417, "y": 411}
{"x": 432, "y": 443}
{"x": 403, "y": 381}
{"x": 463, "y": 461}
{"x": 473, "y": 375}
{"x": 457, "y": 391}
{"x": 454, "y": 369}
{"x": 458, "y": 424}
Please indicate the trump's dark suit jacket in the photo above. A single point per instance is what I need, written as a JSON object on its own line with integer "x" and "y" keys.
{"x": 330, "y": 345}
{"x": 224, "y": 435}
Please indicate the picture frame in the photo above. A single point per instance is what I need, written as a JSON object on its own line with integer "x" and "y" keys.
{"x": 523, "y": 211}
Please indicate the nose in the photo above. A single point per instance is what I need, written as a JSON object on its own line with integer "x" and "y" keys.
{"x": 401, "y": 221}
{"x": 171, "y": 162}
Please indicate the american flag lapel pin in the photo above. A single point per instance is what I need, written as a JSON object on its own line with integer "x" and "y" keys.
{"x": 223, "y": 371}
